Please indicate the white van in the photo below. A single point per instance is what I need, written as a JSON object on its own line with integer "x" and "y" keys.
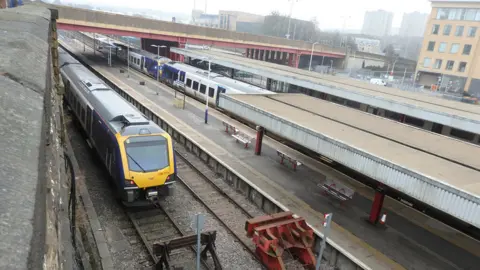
{"x": 378, "y": 81}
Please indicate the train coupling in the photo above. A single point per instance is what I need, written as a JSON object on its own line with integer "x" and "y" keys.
{"x": 151, "y": 194}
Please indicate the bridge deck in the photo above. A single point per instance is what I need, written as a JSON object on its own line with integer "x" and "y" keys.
{"x": 450, "y": 113}
{"x": 442, "y": 184}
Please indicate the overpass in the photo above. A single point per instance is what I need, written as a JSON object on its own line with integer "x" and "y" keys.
{"x": 76, "y": 19}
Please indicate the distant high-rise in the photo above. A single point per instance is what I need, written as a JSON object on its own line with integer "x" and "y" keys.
{"x": 413, "y": 24}
{"x": 377, "y": 23}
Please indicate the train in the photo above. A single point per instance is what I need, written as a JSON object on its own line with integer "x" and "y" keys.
{"x": 137, "y": 153}
{"x": 195, "y": 82}
{"x": 144, "y": 62}
{"x": 192, "y": 80}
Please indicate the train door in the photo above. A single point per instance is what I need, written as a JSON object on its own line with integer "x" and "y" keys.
{"x": 89, "y": 121}
{"x": 220, "y": 90}
{"x": 142, "y": 64}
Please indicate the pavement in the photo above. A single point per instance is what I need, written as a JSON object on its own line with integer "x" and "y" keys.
{"x": 411, "y": 246}
{"x": 24, "y": 81}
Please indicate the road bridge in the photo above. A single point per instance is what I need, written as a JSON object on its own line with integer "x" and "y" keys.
{"x": 77, "y": 19}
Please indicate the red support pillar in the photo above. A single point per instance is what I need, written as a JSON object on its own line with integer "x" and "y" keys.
{"x": 294, "y": 60}
{"x": 258, "y": 144}
{"x": 377, "y": 205}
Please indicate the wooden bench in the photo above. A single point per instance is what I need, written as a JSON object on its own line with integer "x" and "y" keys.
{"x": 239, "y": 137}
{"x": 339, "y": 192}
{"x": 229, "y": 127}
{"x": 295, "y": 163}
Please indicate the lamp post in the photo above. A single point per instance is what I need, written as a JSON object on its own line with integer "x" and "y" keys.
{"x": 311, "y": 56}
{"x": 289, "y": 19}
{"x": 208, "y": 88}
{"x": 158, "y": 56}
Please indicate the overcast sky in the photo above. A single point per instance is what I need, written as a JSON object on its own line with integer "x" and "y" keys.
{"x": 329, "y": 13}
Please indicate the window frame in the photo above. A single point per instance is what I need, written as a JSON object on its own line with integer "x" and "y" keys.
{"x": 453, "y": 65}
{"x": 440, "y": 46}
{"x": 438, "y": 61}
{"x": 449, "y": 30}
{"x": 456, "y": 30}
{"x": 460, "y": 66}
{"x": 457, "y": 46}
{"x": 469, "y": 50}
{"x": 433, "y": 47}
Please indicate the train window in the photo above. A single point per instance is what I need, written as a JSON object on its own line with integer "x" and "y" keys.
{"x": 182, "y": 77}
{"x": 189, "y": 83}
{"x": 83, "y": 115}
{"x": 211, "y": 92}
{"x": 203, "y": 88}
{"x": 460, "y": 134}
{"x": 195, "y": 85}
{"x": 77, "y": 107}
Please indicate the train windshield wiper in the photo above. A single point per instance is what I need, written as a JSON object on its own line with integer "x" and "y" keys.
{"x": 135, "y": 161}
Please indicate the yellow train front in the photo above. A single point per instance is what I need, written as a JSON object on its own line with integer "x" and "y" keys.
{"x": 137, "y": 153}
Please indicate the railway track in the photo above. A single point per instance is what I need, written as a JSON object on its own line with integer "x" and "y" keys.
{"x": 229, "y": 207}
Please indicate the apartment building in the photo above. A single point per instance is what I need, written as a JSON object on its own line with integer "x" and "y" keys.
{"x": 449, "y": 57}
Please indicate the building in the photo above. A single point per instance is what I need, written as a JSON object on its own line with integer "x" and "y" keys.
{"x": 368, "y": 45}
{"x": 413, "y": 24}
{"x": 377, "y": 23}
{"x": 449, "y": 55}
{"x": 241, "y": 21}
{"x": 207, "y": 20}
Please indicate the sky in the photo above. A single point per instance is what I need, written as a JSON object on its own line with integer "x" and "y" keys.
{"x": 329, "y": 13}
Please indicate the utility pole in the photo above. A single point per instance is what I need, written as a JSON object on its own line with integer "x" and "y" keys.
{"x": 326, "y": 231}
{"x": 290, "y": 18}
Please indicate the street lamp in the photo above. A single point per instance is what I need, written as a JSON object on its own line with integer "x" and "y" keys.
{"x": 208, "y": 87}
{"x": 311, "y": 56}
{"x": 289, "y": 19}
{"x": 158, "y": 55}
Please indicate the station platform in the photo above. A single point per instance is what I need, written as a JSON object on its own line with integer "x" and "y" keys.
{"x": 434, "y": 109}
{"x": 444, "y": 185}
{"x": 401, "y": 245}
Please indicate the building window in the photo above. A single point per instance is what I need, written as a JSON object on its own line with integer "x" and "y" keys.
{"x": 450, "y": 64}
{"x": 447, "y": 29}
{"x": 435, "y": 29}
{"x": 466, "y": 49}
{"x": 443, "y": 47}
{"x": 462, "y": 66}
{"x": 470, "y": 14}
{"x": 455, "y": 14}
{"x": 431, "y": 46}
{"x": 426, "y": 62}
{"x": 442, "y": 14}
{"x": 438, "y": 63}
{"x": 459, "y": 31}
{"x": 472, "y": 31}
{"x": 455, "y": 47}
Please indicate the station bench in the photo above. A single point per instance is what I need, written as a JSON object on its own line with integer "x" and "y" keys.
{"x": 338, "y": 193}
{"x": 229, "y": 127}
{"x": 243, "y": 138}
{"x": 295, "y": 163}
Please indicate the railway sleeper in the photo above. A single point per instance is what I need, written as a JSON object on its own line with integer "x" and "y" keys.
{"x": 207, "y": 239}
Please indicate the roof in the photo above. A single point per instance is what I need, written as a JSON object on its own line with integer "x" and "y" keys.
{"x": 450, "y": 113}
{"x": 450, "y": 187}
